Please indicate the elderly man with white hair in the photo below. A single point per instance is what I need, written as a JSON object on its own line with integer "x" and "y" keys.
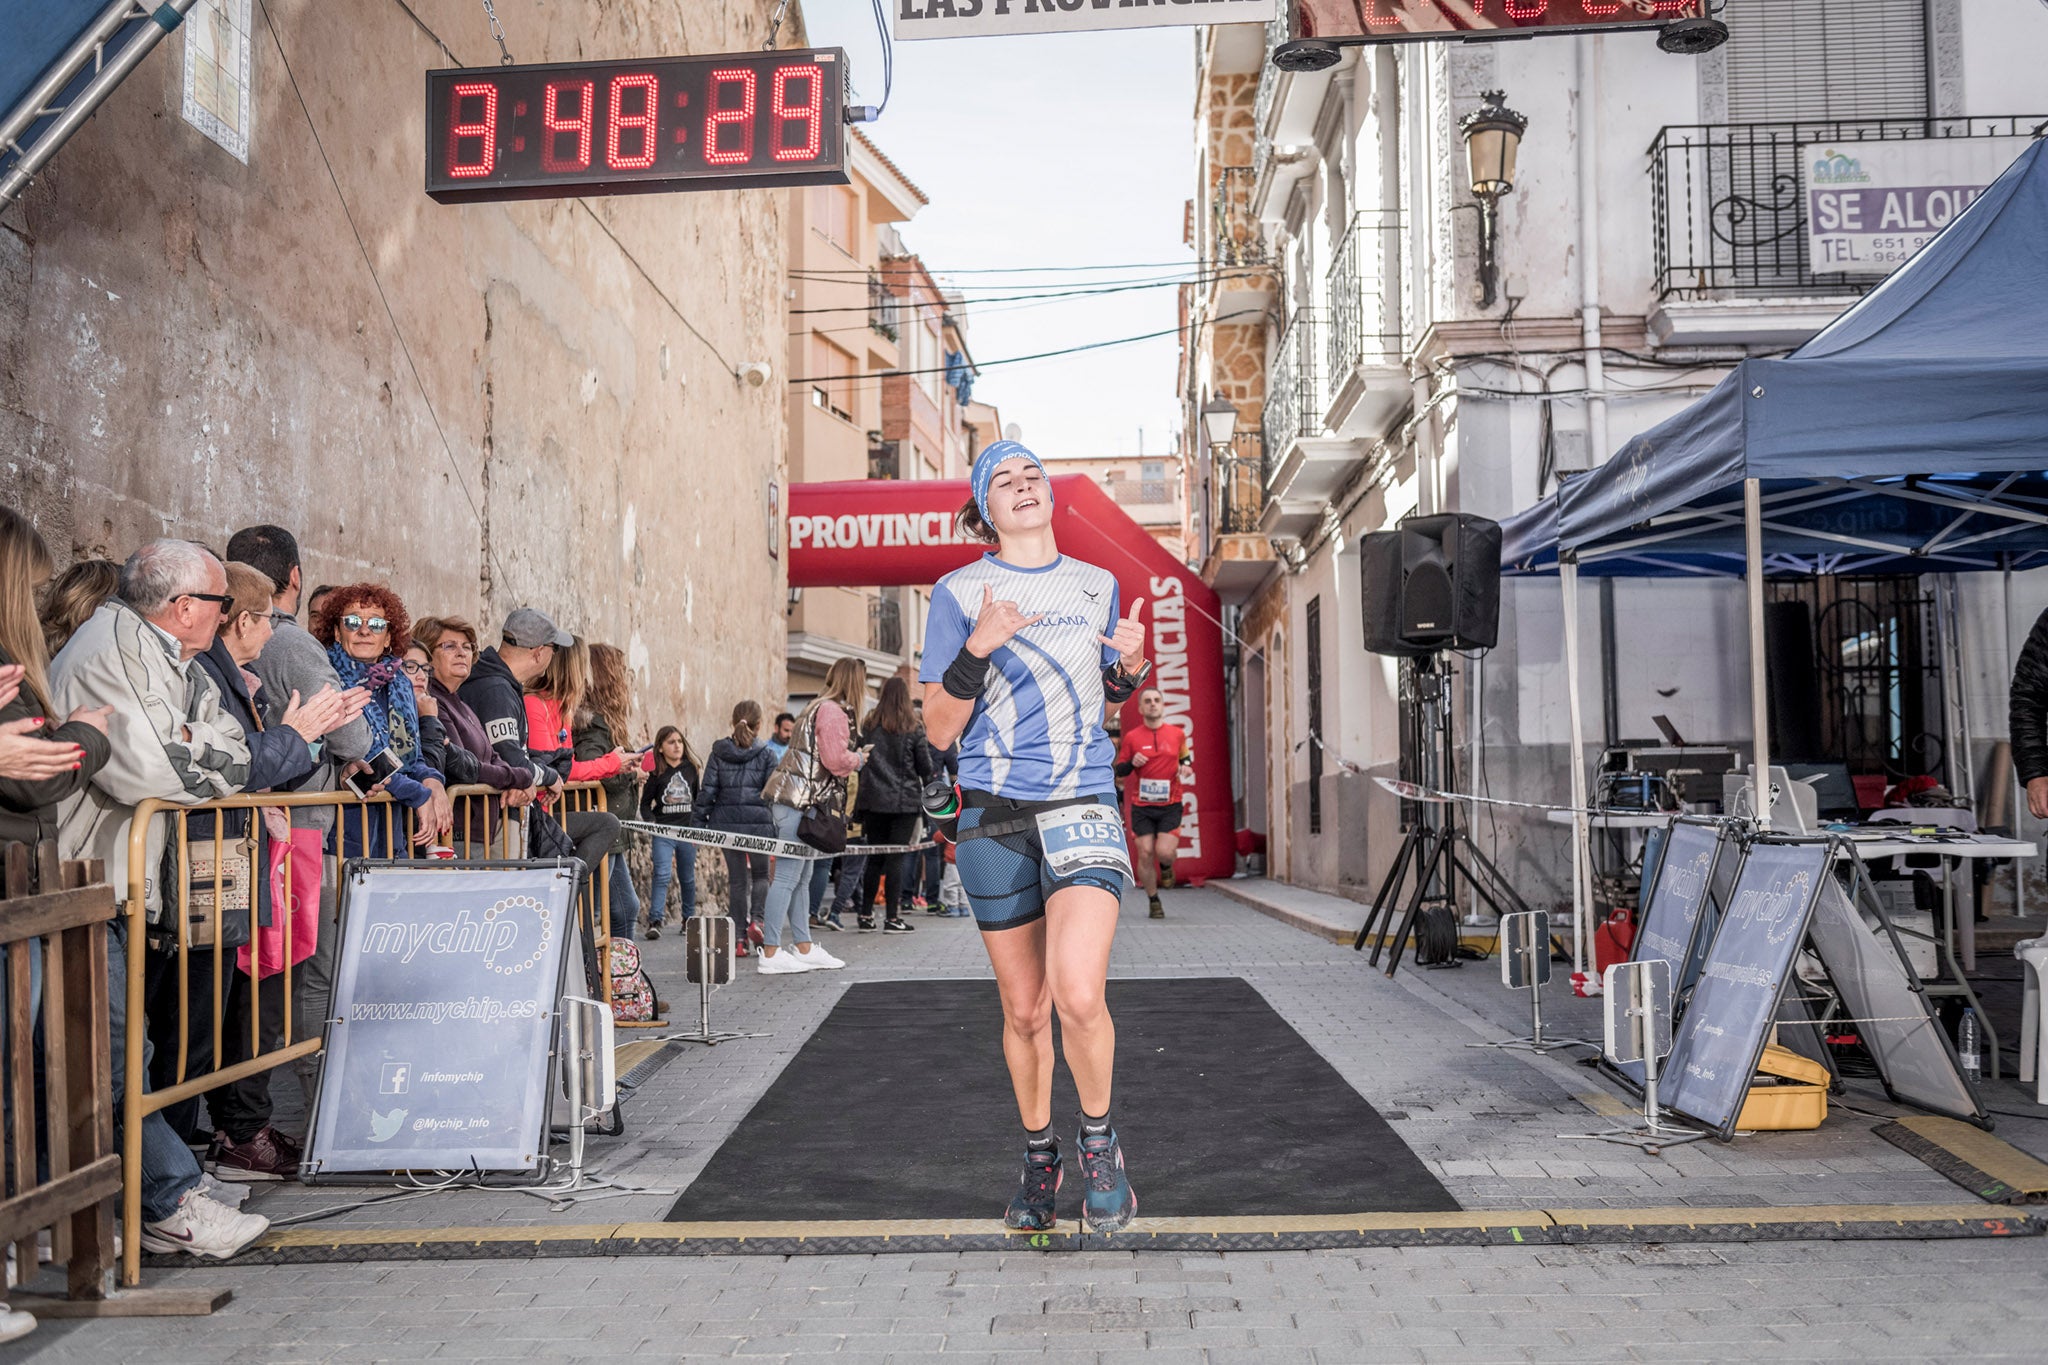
{"x": 171, "y": 741}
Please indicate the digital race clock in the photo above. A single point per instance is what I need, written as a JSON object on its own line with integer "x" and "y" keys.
{"x": 726, "y": 121}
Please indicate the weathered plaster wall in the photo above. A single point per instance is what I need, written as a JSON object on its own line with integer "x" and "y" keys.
{"x": 188, "y": 345}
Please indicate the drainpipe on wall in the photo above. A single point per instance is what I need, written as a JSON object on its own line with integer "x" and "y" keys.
{"x": 1588, "y": 122}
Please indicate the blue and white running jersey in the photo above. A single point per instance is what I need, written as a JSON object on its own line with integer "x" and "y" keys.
{"x": 1036, "y": 732}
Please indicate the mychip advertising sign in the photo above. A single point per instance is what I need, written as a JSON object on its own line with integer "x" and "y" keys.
{"x": 913, "y": 19}
{"x": 1871, "y": 205}
{"x": 447, "y": 984}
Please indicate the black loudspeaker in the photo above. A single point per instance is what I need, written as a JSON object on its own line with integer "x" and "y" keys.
{"x": 1431, "y": 583}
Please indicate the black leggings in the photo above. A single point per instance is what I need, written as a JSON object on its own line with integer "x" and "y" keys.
{"x": 887, "y": 828}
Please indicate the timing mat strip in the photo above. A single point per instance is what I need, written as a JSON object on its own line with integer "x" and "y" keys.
{"x": 1988, "y": 1167}
{"x": 309, "y": 1245}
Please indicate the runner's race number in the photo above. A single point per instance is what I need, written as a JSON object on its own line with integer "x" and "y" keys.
{"x": 1079, "y": 837}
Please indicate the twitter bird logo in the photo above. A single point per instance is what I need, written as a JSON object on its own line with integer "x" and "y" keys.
{"x": 384, "y": 1127}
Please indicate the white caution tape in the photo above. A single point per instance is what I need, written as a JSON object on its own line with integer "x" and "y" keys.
{"x": 755, "y": 843}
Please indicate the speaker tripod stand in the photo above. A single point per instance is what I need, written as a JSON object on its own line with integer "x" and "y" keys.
{"x": 1437, "y": 847}
{"x": 1432, "y": 856}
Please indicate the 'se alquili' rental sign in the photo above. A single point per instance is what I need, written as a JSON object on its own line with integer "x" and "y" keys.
{"x": 1871, "y": 205}
{"x": 1006, "y": 18}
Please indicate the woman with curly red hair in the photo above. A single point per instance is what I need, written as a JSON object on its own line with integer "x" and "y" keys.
{"x": 366, "y": 630}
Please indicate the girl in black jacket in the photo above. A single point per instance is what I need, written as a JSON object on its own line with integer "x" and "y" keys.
{"x": 890, "y": 800}
{"x": 669, "y": 797}
{"x": 731, "y": 800}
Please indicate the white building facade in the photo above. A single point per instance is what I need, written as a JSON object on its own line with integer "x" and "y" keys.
{"x": 1655, "y": 235}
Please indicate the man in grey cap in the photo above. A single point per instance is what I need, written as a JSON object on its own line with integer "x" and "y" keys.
{"x": 496, "y": 691}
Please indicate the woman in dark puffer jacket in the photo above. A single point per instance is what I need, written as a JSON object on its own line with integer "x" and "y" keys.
{"x": 891, "y": 798}
{"x": 731, "y": 800}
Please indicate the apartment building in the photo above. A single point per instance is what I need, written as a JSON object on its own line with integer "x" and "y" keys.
{"x": 1655, "y": 234}
{"x": 1148, "y": 487}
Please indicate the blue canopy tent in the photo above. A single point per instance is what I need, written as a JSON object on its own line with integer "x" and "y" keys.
{"x": 1909, "y": 436}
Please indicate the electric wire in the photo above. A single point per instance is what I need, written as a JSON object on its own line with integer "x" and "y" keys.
{"x": 1009, "y": 360}
{"x": 888, "y": 55}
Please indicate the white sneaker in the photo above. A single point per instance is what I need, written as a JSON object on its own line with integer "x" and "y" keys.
{"x": 782, "y": 964}
{"x": 203, "y": 1227}
{"x": 818, "y": 957}
{"x": 14, "y": 1324}
{"x": 223, "y": 1191}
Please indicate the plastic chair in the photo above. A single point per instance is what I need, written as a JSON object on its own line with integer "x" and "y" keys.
{"x": 2033, "y": 957}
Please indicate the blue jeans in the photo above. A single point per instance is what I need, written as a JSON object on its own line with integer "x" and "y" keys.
{"x": 932, "y": 867}
{"x": 168, "y": 1167}
{"x": 784, "y": 905}
{"x": 625, "y": 907}
{"x": 846, "y": 892}
{"x": 674, "y": 861}
{"x": 821, "y": 882}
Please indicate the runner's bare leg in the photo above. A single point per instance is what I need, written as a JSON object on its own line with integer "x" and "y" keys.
{"x": 1018, "y": 956}
{"x": 1080, "y": 926}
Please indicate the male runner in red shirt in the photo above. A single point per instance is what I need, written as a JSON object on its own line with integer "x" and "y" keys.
{"x": 1157, "y": 759}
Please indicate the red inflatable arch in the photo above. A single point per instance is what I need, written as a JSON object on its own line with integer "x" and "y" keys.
{"x": 884, "y": 532}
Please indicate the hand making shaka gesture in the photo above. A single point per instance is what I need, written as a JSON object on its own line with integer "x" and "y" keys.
{"x": 1129, "y": 638}
{"x": 996, "y": 624}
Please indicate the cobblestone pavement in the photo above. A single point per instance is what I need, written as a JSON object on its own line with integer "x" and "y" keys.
{"x": 1486, "y": 1121}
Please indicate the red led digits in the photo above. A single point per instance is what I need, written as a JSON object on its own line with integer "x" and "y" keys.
{"x": 551, "y": 118}
{"x": 717, "y": 118}
{"x": 808, "y": 113}
{"x": 1527, "y": 9}
{"x": 642, "y": 121}
{"x": 1600, "y": 9}
{"x": 1380, "y": 14}
{"x": 485, "y": 128}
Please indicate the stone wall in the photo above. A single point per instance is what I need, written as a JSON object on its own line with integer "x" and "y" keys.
{"x": 485, "y": 405}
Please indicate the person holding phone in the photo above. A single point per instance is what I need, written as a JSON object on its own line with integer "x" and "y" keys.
{"x": 366, "y": 630}
{"x": 1023, "y": 648}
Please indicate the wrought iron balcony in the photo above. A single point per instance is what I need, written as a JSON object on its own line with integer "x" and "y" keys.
{"x": 885, "y": 624}
{"x": 1234, "y": 235}
{"x": 883, "y": 307}
{"x": 1365, "y": 295}
{"x": 1240, "y": 485}
{"x": 1727, "y": 208}
{"x": 1294, "y": 397}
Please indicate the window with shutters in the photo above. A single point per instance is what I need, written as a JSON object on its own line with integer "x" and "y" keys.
{"x": 1826, "y": 59}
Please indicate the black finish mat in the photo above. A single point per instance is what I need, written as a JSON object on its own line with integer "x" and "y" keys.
{"x": 899, "y": 1106}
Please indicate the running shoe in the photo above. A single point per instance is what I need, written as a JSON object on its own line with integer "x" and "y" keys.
{"x": 829, "y": 922}
{"x": 784, "y": 963}
{"x": 1031, "y": 1207}
{"x": 1109, "y": 1203}
{"x": 919, "y": 903}
{"x": 867, "y": 924}
{"x": 818, "y": 959}
{"x": 898, "y": 926}
{"x": 754, "y": 934}
{"x": 654, "y": 930}
{"x": 1158, "y": 910}
{"x": 204, "y": 1228}
{"x": 265, "y": 1155}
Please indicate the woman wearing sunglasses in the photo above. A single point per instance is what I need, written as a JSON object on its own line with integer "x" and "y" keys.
{"x": 366, "y": 631}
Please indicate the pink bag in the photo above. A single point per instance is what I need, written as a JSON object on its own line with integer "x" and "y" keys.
{"x": 302, "y": 853}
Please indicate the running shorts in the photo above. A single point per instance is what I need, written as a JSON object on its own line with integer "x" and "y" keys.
{"x": 1005, "y": 876}
{"x": 1156, "y": 819}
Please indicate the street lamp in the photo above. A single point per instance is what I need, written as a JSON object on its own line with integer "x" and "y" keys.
{"x": 1219, "y": 420}
{"x": 1493, "y": 134}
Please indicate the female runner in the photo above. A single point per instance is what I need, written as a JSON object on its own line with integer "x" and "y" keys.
{"x": 1022, "y": 649}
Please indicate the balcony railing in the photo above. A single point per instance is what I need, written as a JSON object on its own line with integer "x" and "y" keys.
{"x": 1234, "y": 235}
{"x": 1365, "y": 295}
{"x": 1294, "y": 397}
{"x": 883, "y": 307}
{"x": 1240, "y": 485}
{"x": 1268, "y": 91}
{"x": 1727, "y": 208}
{"x": 885, "y": 625}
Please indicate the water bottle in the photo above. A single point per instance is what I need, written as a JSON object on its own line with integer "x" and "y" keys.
{"x": 1970, "y": 1044}
{"x": 941, "y": 801}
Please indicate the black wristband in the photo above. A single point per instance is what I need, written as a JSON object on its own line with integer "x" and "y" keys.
{"x": 965, "y": 676}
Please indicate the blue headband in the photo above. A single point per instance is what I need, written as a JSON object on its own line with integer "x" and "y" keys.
{"x": 985, "y": 469}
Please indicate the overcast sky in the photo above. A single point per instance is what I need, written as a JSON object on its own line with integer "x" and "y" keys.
{"x": 1061, "y": 150}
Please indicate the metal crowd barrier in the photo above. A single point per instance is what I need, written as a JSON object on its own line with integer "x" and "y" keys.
{"x": 192, "y": 923}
